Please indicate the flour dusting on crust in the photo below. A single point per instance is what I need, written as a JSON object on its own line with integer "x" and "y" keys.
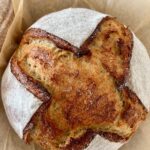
{"x": 72, "y": 25}
{"x": 20, "y": 105}
{"x": 139, "y": 75}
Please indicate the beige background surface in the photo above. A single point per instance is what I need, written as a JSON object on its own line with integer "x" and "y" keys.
{"x": 6, "y": 17}
{"x": 134, "y": 13}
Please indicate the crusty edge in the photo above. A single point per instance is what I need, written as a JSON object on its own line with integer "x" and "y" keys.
{"x": 126, "y": 54}
{"x": 132, "y": 95}
{"x": 30, "y": 125}
{"x": 31, "y": 84}
{"x": 84, "y": 141}
{"x": 60, "y": 43}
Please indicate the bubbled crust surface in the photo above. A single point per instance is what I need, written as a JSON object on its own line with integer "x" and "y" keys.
{"x": 83, "y": 89}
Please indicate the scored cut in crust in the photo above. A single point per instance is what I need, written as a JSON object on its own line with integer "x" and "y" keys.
{"x": 86, "y": 93}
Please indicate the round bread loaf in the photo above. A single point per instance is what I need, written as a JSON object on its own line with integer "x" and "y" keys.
{"x": 79, "y": 80}
{"x": 6, "y": 16}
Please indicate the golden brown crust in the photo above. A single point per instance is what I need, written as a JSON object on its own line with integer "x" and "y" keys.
{"x": 62, "y": 44}
{"x": 122, "y": 44}
{"x": 131, "y": 105}
{"x": 32, "y": 85}
{"x": 87, "y": 94}
{"x": 113, "y": 137}
{"x": 82, "y": 142}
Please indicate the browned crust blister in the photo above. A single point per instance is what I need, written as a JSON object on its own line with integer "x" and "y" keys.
{"x": 110, "y": 46}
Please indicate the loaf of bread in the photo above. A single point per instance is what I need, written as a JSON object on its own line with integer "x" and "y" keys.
{"x": 78, "y": 75}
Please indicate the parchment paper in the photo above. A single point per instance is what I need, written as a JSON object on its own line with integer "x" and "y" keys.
{"x": 135, "y": 14}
